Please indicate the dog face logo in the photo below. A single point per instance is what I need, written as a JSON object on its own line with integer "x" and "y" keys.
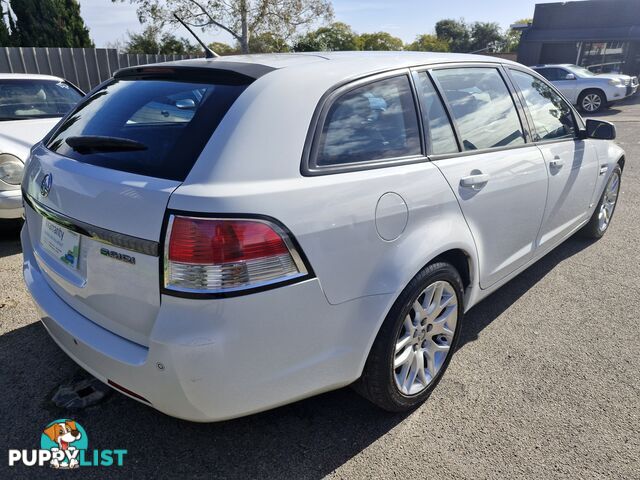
{"x": 64, "y": 438}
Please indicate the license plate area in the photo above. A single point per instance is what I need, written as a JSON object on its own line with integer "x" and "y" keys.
{"x": 60, "y": 243}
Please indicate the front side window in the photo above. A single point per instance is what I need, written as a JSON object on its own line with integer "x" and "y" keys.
{"x": 441, "y": 138}
{"x": 24, "y": 99}
{"x": 482, "y": 107}
{"x": 376, "y": 121}
{"x": 153, "y": 127}
{"x": 552, "y": 117}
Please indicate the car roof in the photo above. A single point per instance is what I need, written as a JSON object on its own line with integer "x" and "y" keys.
{"x": 349, "y": 63}
{"x": 28, "y": 76}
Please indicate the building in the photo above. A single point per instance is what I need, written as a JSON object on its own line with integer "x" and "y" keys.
{"x": 602, "y": 35}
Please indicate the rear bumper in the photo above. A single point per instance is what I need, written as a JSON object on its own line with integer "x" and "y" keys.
{"x": 211, "y": 360}
{"x": 10, "y": 204}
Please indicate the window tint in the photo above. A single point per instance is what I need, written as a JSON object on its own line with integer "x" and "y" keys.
{"x": 553, "y": 74}
{"x": 23, "y": 99}
{"x": 482, "y": 106}
{"x": 552, "y": 117}
{"x": 167, "y": 121}
{"x": 441, "y": 138}
{"x": 372, "y": 122}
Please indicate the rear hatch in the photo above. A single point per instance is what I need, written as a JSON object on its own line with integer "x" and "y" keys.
{"x": 97, "y": 188}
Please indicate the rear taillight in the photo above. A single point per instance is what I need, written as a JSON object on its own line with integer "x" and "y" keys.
{"x": 219, "y": 255}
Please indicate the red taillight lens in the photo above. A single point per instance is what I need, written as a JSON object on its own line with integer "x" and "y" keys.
{"x": 197, "y": 240}
{"x": 217, "y": 255}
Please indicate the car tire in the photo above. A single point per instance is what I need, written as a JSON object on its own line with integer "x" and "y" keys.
{"x": 602, "y": 215}
{"x": 592, "y": 101}
{"x": 380, "y": 382}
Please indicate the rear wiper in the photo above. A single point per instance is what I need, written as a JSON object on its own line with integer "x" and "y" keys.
{"x": 94, "y": 143}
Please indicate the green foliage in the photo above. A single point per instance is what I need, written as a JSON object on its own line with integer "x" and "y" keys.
{"x": 48, "y": 23}
{"x": 428, "y": 43}
{"x": 485, "y": 35}
{"x": 223, "y": 48}
{"x": 242, "y": 19}
{"x": 268, "y": 43}
{"x": 456, "y": 33}
{"x": 337, "y": 36}
{"x": 152, "y": 41}
{"x": 379, "y": 41}
{"x": 512, "y": 37}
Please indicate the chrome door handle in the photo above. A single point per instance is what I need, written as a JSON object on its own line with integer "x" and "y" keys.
{"x": 557, "y": 162}
{"x": 476, "y": 181}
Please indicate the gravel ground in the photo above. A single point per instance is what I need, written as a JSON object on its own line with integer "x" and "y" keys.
{"x": 546, "y": 384}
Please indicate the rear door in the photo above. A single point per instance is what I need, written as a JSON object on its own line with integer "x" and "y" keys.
{"x": 572, "y": 162}
{"x": 500, "y": 181}
{"x": 97, "y": 189}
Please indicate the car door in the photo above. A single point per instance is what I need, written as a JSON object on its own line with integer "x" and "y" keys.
{"x": 571, "y": 162}
{"x": 499, "y": 180}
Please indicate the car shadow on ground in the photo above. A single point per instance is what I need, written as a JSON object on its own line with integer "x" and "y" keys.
{"x": 308, "y": 439}
{"x": 10, "y": 237}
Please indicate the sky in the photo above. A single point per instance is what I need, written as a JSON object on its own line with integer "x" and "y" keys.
{"x": 109, "y": 22}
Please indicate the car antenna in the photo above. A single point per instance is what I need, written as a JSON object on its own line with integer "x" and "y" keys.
{"x": 208, "y": 53}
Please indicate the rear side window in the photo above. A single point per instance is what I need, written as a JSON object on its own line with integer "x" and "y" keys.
{"x": 482, "y": 107}
{"x": 152, "y": 127}
{"x": 552, "y": 117}
{"x": 376, "y": 121}
{"x": 441, "y": 138}
{"x": 23, "y": 99}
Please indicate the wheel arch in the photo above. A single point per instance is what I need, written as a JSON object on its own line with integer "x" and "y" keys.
{"x": 460, "y": 257}
{"x": 592, "y": 89}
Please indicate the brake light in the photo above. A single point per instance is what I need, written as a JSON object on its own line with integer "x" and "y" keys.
{"x": 215, "y": 255}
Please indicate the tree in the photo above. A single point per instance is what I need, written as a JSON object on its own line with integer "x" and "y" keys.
{"x": 152, "y": 40}
{"x": 335, "y": 37}
{"x": 223, "y": 49}
{"x": 49, "y": 23}
{"x": 428, "y": 43}
{"x": 242, "y": 19}
{"x": 5, "y": 35}
{"x": 456, "y": 33}
{"x": 512, "y": 36}
{"x": 380, "y": 41}
{"x": 485, "y": 35}
{"x": 268, "y": 43}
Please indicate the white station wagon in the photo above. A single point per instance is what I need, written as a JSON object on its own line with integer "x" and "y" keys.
{"x": 219, "y": 237}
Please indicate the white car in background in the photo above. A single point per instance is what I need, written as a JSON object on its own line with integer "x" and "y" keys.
{"x": 30, "y": 106}
{"x": 589, "y": 91}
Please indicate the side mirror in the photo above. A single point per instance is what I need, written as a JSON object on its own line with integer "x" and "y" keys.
{"x": 600, "y": 130}
{"x": 570, "y": 76}
{"x": 186, "y": 104}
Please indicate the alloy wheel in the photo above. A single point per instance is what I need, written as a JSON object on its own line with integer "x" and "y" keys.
{"x": 609, "y": 199}
{"x": 591, "y": 102}
{"x": 425, "y": 339}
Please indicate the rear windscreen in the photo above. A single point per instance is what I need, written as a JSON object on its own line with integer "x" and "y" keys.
{"x": 22, "y": 99}
{"x": 152, "y": 127}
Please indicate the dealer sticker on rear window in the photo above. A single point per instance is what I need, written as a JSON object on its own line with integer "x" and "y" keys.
{"x": 61, "y": 243}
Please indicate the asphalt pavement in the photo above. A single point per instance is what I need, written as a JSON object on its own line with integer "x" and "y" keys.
{"x": 545, "y": 384}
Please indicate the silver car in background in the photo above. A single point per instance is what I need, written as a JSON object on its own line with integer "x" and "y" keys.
{"x": 591, "y": 92}
{"x": 30, "y": 106}
{"x": 218, "y": 237}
